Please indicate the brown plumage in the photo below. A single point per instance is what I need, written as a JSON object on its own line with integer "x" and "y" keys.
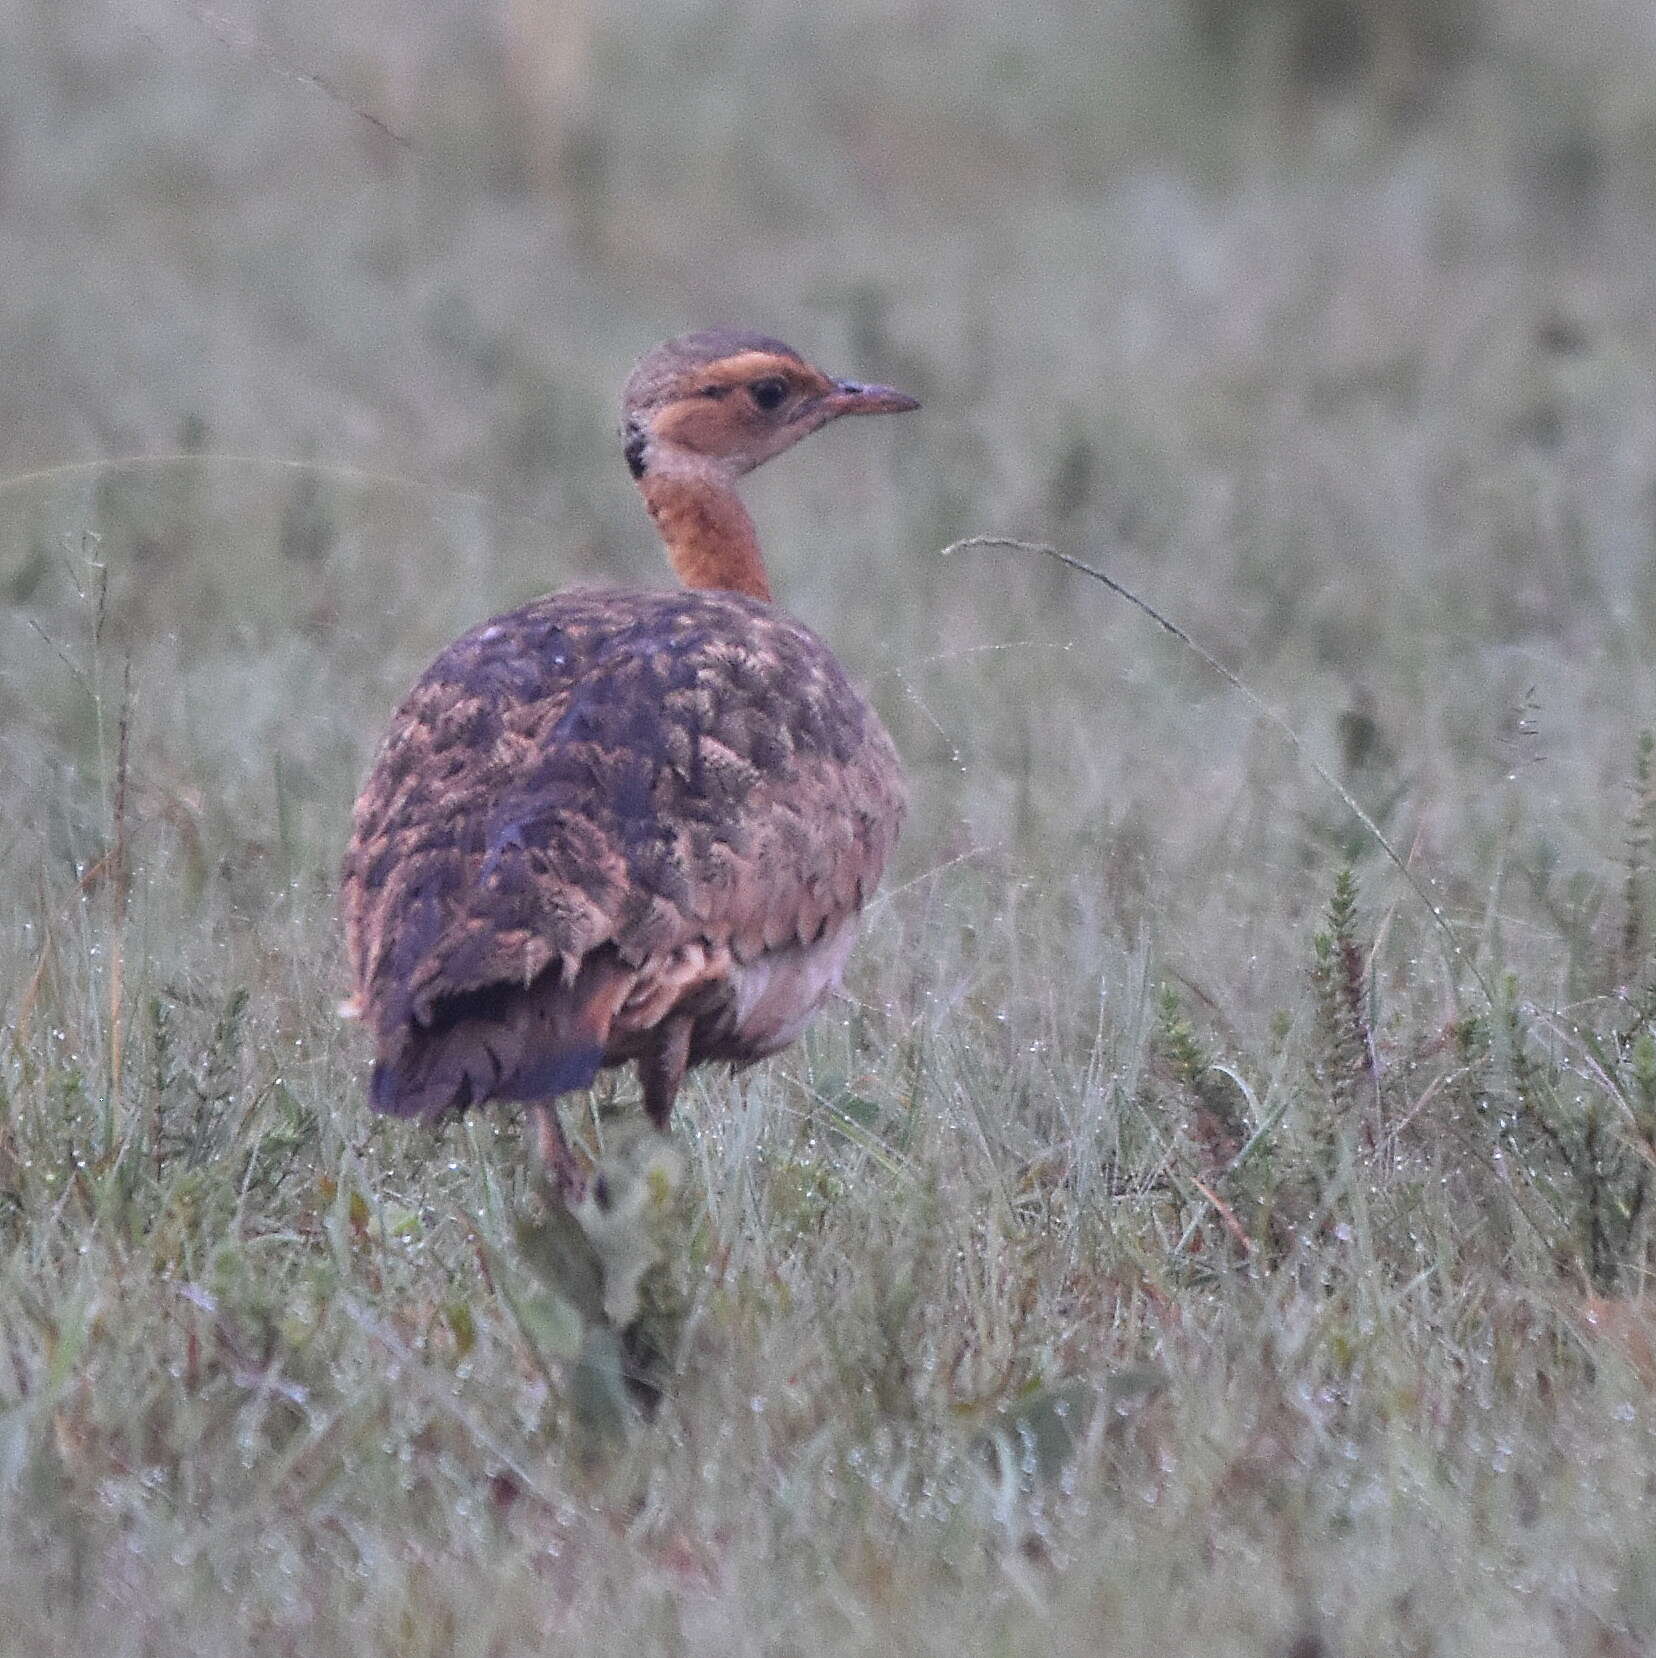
{"x": 626, "y": 825}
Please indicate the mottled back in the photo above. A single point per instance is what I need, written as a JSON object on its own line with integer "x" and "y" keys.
{"x": 609, "y": 777}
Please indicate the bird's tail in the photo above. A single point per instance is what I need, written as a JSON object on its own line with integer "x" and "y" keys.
{"x": 502, "y": 1042}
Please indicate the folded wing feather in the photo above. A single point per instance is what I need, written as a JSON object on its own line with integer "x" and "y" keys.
{"x": 596, "y": 813}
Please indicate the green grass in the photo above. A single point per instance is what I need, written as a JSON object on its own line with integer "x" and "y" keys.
{"x": 1179, "y": 1239}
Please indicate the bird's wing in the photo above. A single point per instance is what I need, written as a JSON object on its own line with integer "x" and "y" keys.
{"x": 655, "y": 773}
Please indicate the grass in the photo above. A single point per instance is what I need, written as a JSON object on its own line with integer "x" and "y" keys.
{"x": 1178, "y": 1239}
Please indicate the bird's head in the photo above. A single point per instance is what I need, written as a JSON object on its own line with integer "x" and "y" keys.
{"x": 726, "y": 401}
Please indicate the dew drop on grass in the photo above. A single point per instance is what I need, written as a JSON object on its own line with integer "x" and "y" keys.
{"x": 1029, "y": 1463}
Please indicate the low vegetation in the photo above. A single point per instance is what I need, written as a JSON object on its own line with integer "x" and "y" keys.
{"x": 1210, "y": 1221}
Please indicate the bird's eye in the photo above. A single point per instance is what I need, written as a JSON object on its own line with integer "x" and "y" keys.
{"x": 769, "y": 392}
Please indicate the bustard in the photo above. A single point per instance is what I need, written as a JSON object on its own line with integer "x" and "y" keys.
{"x": 622, "y": 825}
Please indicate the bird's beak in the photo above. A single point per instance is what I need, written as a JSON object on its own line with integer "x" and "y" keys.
{"x": 851, "y": 398}
{"x": 843, "y": 397}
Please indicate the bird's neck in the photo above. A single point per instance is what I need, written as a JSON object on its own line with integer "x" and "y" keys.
{"x": 711, "y": 541}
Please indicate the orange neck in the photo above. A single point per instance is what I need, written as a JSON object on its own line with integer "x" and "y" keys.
{"x": 711, "y": 541}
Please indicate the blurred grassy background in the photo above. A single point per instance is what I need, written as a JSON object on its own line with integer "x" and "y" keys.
{"x": 1322, "y": 322}
{"x": 1327, "y": 326}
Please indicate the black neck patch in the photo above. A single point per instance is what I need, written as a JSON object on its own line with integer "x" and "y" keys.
{"x": 636, "y": 441}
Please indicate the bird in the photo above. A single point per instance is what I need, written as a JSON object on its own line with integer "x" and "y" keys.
{"x": 626, "y": 825}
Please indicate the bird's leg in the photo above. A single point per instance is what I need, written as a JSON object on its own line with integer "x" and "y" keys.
{"x": 557, "y": 1157}
{"x": 661, "y": 1070}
